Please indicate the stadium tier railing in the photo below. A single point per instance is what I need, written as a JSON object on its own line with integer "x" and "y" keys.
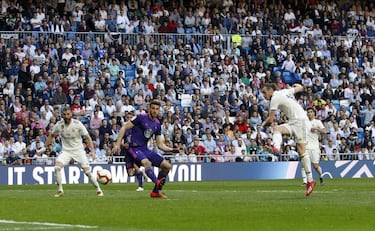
{"x": 158, "y": 38}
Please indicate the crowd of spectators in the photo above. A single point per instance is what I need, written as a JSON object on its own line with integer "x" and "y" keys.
{"x": 226, "y": 52}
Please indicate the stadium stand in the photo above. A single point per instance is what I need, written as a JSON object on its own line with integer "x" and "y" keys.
{"x": 206, "y": 60}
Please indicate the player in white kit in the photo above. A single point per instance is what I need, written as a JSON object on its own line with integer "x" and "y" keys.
{"x": 297, "y": 126}
{"x": 313, "y": 147}
{"x": 71, "y": 132}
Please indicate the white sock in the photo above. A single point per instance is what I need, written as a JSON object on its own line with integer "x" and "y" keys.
{"x": 306, "y": 164}
{"x": 58, "y": 177}
{"x": 93, "y": 180}
{"x": 277, "y": 139}
{"x": 319, "y": 171}
{"x": 304, "y": 178}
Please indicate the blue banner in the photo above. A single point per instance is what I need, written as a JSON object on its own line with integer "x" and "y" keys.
{"x": 72, "y": 174}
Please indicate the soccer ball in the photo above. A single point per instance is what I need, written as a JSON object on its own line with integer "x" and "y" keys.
{"x": 104, "y": 176}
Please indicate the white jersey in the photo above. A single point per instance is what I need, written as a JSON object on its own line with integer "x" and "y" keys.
{"x": 287, "y": 103}
{"x": 71, "y": 135}
{"x": 313, "y": 137}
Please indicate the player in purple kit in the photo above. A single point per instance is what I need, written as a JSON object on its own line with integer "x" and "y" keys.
{"x": 132, "y": 167}
{"x": 143, "y": 128}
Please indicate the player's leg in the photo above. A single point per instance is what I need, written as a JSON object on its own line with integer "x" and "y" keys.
{"x": 306, "y": 164}
{"x": 58, "y": 167}
{"x": 315, "y": 158}
{"x": 80, "y": 157}
{"x": 304, "y": 177}
{"x": 62, "y": 160}
{"x": 139, "y": 176}
{"x": 303, "y": 171}
{"x": 133, "y": 169}
{"x": 138, "y": 154}
{"x": 299, "y": 130}
{"x": 165, "y": 167}
{"x": 277, "y": 135}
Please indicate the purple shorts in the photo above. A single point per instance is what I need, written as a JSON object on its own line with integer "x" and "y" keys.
{"x": 137, "y": 154}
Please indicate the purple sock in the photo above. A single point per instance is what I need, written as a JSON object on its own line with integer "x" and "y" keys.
{"x": 140, "y": 179}
{"x": 150, "y": 173}
{"x": 160, "y": 176}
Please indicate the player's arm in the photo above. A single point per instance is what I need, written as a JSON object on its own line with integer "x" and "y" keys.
{"x": 90, "y": 145}
{"x": 49, "y": 139}
{"x": 161, "y": 144}
{"x": 128, "y": 125}
{"x": 321, "y": 129}
{"x": 270, "y": 119}
{"x": 298, "y": 88}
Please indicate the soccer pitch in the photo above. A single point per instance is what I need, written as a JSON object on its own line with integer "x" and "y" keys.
{"x": 342, "y": 204}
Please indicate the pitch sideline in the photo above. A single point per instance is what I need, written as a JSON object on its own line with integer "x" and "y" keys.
{"x": 45, "y": 224}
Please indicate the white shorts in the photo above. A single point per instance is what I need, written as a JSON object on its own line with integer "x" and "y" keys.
{"x": 77, "y": 155}
{"x": 299, "y": 129}
{"x": 314, "y": 155}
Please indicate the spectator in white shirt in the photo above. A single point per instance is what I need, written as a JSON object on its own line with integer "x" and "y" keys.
{"x": 288, "y": 64}
{"x": 289, "y": 16}
{"x": 122, "y": 21}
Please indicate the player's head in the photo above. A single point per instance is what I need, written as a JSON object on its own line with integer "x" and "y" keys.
{"x": 268, "y": 90}
{"x": 310, "y": 112}
{"x": 66, "y": 114}
{"x": 154, "y": 109}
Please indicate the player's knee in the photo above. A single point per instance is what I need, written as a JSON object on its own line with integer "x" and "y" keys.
{"x": 146, "y": 163}
{"x": 87, "y": 171}
{"x": 166, "y": 166}
{"x": 131, "y": 172}
{"x": 57, "y": 168}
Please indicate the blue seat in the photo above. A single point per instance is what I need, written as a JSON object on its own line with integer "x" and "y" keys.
{"x": 71, "y": 35}
{"x": 288, "y": 77}
{"x": 276, "y": 69}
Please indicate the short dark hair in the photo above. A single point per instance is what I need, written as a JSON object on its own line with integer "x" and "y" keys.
{"x": 65, "y": 108}
{"x": 272, "y": 86}
{"x": 312, "y": 109}
{"x": 155, "y": 102}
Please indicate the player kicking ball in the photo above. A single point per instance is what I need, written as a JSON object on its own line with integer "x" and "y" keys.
{"x": 142, "y": 128}
{"x": 298, "y": 124}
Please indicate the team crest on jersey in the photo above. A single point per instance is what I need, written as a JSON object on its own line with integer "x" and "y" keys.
{"x": 148, "y": 133}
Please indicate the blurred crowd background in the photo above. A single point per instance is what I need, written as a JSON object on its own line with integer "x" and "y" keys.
{"x": 206, "y": 61}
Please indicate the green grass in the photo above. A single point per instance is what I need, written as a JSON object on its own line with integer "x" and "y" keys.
{"x": 342, "y": 204}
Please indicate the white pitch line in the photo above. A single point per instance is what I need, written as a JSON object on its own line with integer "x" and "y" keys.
{"x": 289, "y": 191}
{"x": 48, "y": 224}
{"x": 32, "y": 228}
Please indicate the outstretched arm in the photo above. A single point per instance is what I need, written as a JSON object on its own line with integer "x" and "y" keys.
{"x": 128, "y": 125}
{"x": 161, "y": 144}
{"x": 49, "y": 139}
{"x": 298, "y": 88}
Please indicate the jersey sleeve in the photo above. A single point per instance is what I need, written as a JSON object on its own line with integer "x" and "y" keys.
{"x": 137, "y": 120}
{"x": 158, "y": 130}
{"x": 82, "y": 129}
{"x": 276, "y": 100}
{"x": 320, "y": 124}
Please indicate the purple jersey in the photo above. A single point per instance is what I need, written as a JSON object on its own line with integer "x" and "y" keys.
{"x": 143, "y": 130}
